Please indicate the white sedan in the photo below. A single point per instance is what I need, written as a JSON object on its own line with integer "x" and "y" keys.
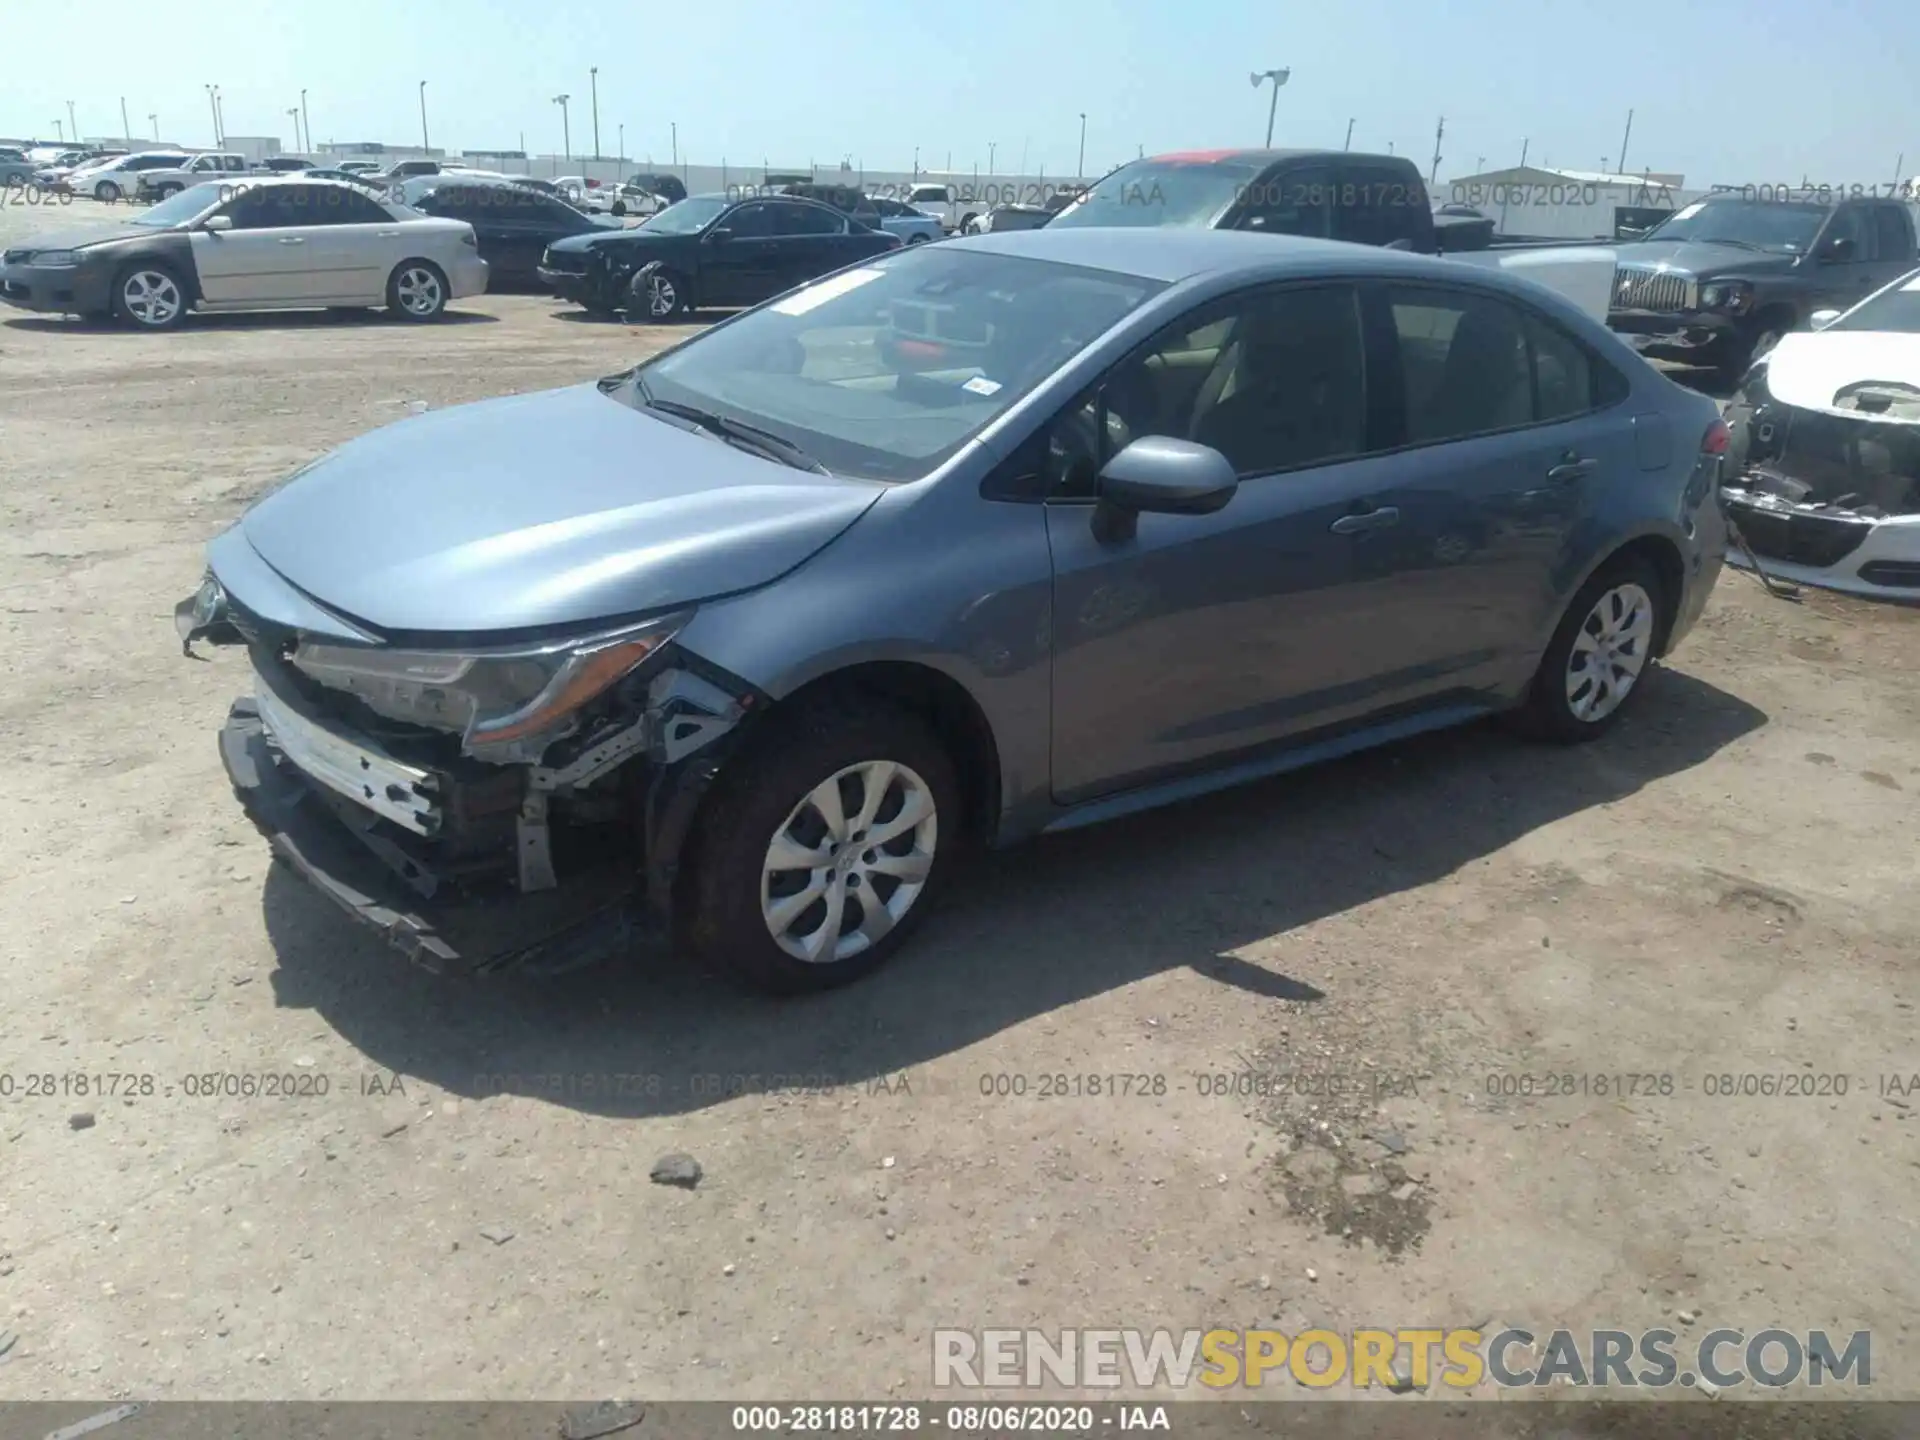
{"x": 288, "y": 243}
{"x": 1823, "y": 472}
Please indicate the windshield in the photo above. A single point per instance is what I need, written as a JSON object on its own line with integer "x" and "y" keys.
{"x": 1160, "y": 192}
{"x": 1896, "y": 310}
{"x": 686, "y": 217}
{"x": 1761, "y": 224}
{"x": 189, "y": 203}
{"x": 885, "y": 371}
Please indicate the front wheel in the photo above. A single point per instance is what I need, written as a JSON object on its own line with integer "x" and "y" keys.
{"x": 417, "y": 290}
{"x": 916, "y": 239}
{"x": 656, "y": 295}
{"x": 107, "y": 193}
{"x": 167, "y": 191}
{"x": 1600, "y": 654}
{"x": 148, "y": 295}
{"x": 822, "y": 847}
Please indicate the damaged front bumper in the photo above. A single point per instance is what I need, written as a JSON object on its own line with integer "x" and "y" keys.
{"x": 466, "y": 866}
{"x": 1827, "y": 497}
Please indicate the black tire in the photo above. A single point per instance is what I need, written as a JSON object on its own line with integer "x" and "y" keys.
{"x": 721, "y": 891}
{"x": 167, "y": 191}
{"x": 417, "y": 291}
{"x": 150, "y": 295}
{"x": 107, "y": 193}
{"x": 653, "y": 286}
{"x": 1549, "y": 712}
{"x": 916, "y": 239}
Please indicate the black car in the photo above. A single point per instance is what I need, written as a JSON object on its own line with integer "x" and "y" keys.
{"x": 849, "y": 200}
{"x": 1719, "y": 281}
{"x": 669, "y": 188}
{"x": 286, "y": 164}
{"x": 708, "y": 250}
{"x": 514, "y": 223}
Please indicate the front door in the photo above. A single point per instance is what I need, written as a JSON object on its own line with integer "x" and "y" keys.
{"x": 1200, "y": 636}
{"x": 263, "y": 259}
{"x": 743, "y": 267}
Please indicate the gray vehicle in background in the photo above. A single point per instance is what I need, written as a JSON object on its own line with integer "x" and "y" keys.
{"x": 958, "y": 545}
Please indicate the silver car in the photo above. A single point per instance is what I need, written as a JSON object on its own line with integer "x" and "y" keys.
{"x": 964, "y": 543}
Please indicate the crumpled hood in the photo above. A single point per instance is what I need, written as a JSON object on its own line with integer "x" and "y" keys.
{"x": 1691, "y": 257}
{"x": 555, "y": 509}
{"x": 1810, "y": 368}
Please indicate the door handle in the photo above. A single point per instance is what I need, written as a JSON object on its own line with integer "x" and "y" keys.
{"x": 292, "y": 240}
{"x": 1572, "y": 470}
{"x": 386, "y": 235}
{"x": 1366, "y": 520}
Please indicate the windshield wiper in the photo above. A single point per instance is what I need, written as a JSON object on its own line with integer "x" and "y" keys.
{"x": 735, "y": 432}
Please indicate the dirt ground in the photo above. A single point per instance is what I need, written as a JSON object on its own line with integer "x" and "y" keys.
{"x": 1724, "y": 886}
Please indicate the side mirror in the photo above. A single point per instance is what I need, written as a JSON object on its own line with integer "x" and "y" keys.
{"x": 217, "y": 224}
{"x": 1840, "y": 247}
{"x": 1160, "y": 475}
{"x": 720, "y": 232}
{"x": 1821, "y": 319}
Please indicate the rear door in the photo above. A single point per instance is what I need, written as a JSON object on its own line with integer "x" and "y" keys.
{"x": 355, "y": 244}
{"x": 815, "y": 239}
{"x": 1502, "y": 428}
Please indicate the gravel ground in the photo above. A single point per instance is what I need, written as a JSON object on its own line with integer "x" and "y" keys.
{"x": 1723, "y": 886}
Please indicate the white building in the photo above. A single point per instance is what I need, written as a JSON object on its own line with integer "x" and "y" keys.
{"x": 1534, "y": 202}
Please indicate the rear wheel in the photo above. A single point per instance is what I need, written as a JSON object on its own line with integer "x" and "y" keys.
{"x": 822, "y": 847}
{"x": 1600, "y": 654}
{"x": 167, "y": 190}
{"x": 417, "y": 290}
{"x": 149, "y": 295}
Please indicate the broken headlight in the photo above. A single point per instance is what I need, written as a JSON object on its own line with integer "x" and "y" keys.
{"x": 1734, "y": 297}
{"x": 512, "y": 701}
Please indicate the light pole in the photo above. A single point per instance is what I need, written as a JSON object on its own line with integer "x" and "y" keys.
{"x": 72, "y": 124}
{"x": 154, "y": 118}
{"x": 1348, "y": 145}
{"x": 1080, "y": 171}
{"x": 220, "y": 113}
{"x": 305, "y": 123}
{"x": 916, "y": 162}
{"x": 213, "y": 110}
{"x": 621, "y": 158}
{"x": 1279, "y": 78}
{"x": 675, "y": 126}
{"x": 126, "y": 127}
{"x": 990, "y": 150}
{"x": 423, "y": 117}
{"x": 59, "y": 133}
{"x": 293, "y": 114}
{"x": 593, "y": 78}
{"x": 566, "y": 134}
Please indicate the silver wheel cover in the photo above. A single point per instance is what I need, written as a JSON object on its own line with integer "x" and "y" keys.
{"x": 151, "y": 297}
{"x": 1609, "y": 652}
{"x": 849, "y": 861}
{"x": 662, "y": 298}
{"x": 419, "y": 290}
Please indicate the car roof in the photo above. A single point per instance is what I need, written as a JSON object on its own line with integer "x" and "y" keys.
{"x": 1174, "y": 253}
{"x": 1245, "y": 157}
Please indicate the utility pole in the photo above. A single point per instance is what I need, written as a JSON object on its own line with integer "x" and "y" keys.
{"x": 220, "y": 113}
{"x": 58, "y": 132}
{"x": 566, "y": 131}
{"x": 990, "y": 149}
{"x": 1279, "y": 78}
{"x": 1899, "y": 164}
{"x": 1080, "y": 170}
{"x": 1439, "y": 130}
{"x": 425, "y": 144}
{"x": 1623, "y": 143}
{"x": 126, "y": 128}
{"x": 154, "y": 118}
{"x": 293, "y": 114}
{"x": 593, "y": 79}
{"x": 1348, "y": 143}
{"x": 72, "y": 124}
{"x": 621, "y": 158}
{"x": 305, "y": 123}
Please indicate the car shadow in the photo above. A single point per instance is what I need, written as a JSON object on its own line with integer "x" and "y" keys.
{"x": 1029, "y": 932}
{"x": 249, "y": 320}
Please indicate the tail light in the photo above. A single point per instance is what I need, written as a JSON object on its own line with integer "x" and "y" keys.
{"x": 1715, "y": 441}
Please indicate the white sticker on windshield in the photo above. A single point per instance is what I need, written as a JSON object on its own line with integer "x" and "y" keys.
{"x": 814, "y": 296}
{"x": 980, "y": 385}
{"x": 1688, "y": 212}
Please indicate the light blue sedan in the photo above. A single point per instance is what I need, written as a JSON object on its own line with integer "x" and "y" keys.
{"x": 914, "y": 227}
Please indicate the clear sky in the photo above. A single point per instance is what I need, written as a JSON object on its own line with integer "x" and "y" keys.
{"x": 1725, "y": 91}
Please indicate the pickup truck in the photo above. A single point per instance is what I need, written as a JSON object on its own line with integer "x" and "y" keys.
{"x": 1330, "y": 195}
{"x": 214, "y": 165}
{"x": 1720, "y": 281}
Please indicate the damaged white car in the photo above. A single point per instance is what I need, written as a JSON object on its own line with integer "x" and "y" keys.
{"x": 1823, "y": 470}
